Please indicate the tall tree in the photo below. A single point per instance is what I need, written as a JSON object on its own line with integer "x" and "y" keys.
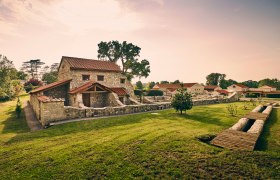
{"x": 176, "y": 82}
{"x": 152, "y": 84}
{"x": 164, "y": 82}
{"x": 214, "y": 79}
{"x": 226, "y": 83}
{"x": 50, "y": 74}
{"x": 32, "y": 67}
{"x": 127, "y": 53}
{"x": 270, "y": 82}
{"x": 251, "y": 84}
{"x": 139, "y": 85}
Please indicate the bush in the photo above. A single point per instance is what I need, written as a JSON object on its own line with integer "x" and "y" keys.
{"x": 32, "y": 84}
{"x": 155, "y": 93}
{"x": 138, "y": 92}
{"x": 232, "y": 109}
{"x": 273, "y": 95}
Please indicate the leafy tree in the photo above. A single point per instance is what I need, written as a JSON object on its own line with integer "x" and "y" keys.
{"x": 32, "y": 84}
{"x": 139, "y": 85}
{"x": 9, "y": 87}
{"x": 225, "y": 83}
{"x": 182, "y": 101}
{"x": 214, "y": 79}
{"x": 21, "y": 75}
{"x": 155, "y": 93}
{"x": 32, "y": 67}
{"x": 251, "y": 84}
{"x": 270, "y": 82}
{"x": 164, "y": 82}
{"x": 152, "y": 84}
{"x": 50, "y": 77}
{"x": 127, "y": 53}
{"x": 50, "y": 74}
{"x": 176, "y": 82}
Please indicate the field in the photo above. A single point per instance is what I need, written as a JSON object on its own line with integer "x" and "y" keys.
{"x": 162, "y": 145}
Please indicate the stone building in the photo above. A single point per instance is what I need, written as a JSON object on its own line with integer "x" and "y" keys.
{"x": 83, "y": 83}
{"x": 170, "y": 89}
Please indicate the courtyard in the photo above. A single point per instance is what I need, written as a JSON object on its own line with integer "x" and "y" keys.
{"x": 150, "y": 145}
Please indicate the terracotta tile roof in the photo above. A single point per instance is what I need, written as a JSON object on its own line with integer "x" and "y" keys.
{"x": 188, "y": 85}
{"x": 90, "y": 64}
{"x": 241, "y": 85}
{"x": 210, "y": 87}
{"x": 50, "y": 86}
{"x": 222, "y": 91}
{"x": 81, "y": 88}
{"x": 119, "y": 91}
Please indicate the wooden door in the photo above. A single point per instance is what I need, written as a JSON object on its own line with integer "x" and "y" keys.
{"x": 86, "y": 99}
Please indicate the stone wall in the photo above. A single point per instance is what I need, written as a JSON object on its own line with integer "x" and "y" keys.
{"x": 35, "y": 103}
{"x": 59, "y": 92}
{"x": 98, "y": 99}
{"x": 52, "y": 111}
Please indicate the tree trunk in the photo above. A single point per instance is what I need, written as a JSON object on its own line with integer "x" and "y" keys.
{"x": 181, "y": 112}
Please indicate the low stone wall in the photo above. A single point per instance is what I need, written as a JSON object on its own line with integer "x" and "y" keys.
{"x": 56, "y": 111}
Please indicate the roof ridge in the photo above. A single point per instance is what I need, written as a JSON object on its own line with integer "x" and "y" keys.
{"x": 87, "y": 59}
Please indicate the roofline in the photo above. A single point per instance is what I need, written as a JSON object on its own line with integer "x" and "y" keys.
{"x": 90, "y": 69}
{"x": 48, "y": 88}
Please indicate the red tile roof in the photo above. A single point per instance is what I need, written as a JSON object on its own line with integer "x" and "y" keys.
{"x": 119, "y": 91}
{"x": 241, "y": 85}
{"x": 222, "y": 91}
{"x": 91, "y": 64}
{"x": 50, "y": 86}
{"x": 210, "y": 87}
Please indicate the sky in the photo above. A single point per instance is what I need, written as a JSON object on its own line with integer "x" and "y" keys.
{"x": 182, "y": 39}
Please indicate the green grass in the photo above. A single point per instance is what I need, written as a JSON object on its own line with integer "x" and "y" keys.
{"x": 135, "y": 146}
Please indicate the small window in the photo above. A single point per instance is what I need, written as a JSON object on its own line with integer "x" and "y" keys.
{"x": 122, "y": 81}
{"x": 85, "y": 77}
{"x": 100, "y": 78}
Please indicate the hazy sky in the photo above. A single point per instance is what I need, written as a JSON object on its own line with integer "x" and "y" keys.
{"x": 182, "y": 39}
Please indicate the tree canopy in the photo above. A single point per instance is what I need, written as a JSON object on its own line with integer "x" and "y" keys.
{"x": 214, "y": 79}
{"x": 182, "y": 100}
{"x": 32, "y": 67}
{"x": 270, "y": 82}
{"x": 128, "y": 54}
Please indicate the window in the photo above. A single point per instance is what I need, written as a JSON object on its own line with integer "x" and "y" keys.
{"x": 85, "y": 77}
{"x": 122, "y": 81}
{"x": 100, "y": 78}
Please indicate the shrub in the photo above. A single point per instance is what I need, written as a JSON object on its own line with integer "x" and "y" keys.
{"x": 273, "y": 95}
{"x": 232, "y": 109}
{"x": 182, "y": 101}
{"x": 155, "y": 93}
{"x": 138, "y": 92}
{"x": 32, "y": 84}
{"x": 253, "y": 102}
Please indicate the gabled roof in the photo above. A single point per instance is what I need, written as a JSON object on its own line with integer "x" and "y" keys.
{"x": 50, "y": 86}
{"x": 241, "y": 85}
{"x": 120, "y": 91}
{"x": 210, "y": 87}
{"x": 222, "y": 91}
{"x": 91, "y": 64}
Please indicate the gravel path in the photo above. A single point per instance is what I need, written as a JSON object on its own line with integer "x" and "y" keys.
{"x": 30, "y": 117}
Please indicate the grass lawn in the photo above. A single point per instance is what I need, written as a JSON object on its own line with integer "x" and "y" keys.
{"x": 147, "y": 145}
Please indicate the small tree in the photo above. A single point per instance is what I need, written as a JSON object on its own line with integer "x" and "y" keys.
{"x": 182, "y": 101}
{"x": 232, "y": 109}
{"x": 18, "y": 108}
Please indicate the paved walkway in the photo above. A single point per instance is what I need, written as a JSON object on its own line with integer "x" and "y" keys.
{"x": 30, "y": 117}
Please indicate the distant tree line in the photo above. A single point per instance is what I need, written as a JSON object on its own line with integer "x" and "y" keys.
{"x": 215, "y": 79}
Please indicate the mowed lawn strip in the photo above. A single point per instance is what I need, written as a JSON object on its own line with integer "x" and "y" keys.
{"x": 162, "y": 145}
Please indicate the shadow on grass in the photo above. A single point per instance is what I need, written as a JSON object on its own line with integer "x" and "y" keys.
{"x": 13, "y": 124}
{"x": 262, "y": 143}
{"x": 81, "y": 126}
